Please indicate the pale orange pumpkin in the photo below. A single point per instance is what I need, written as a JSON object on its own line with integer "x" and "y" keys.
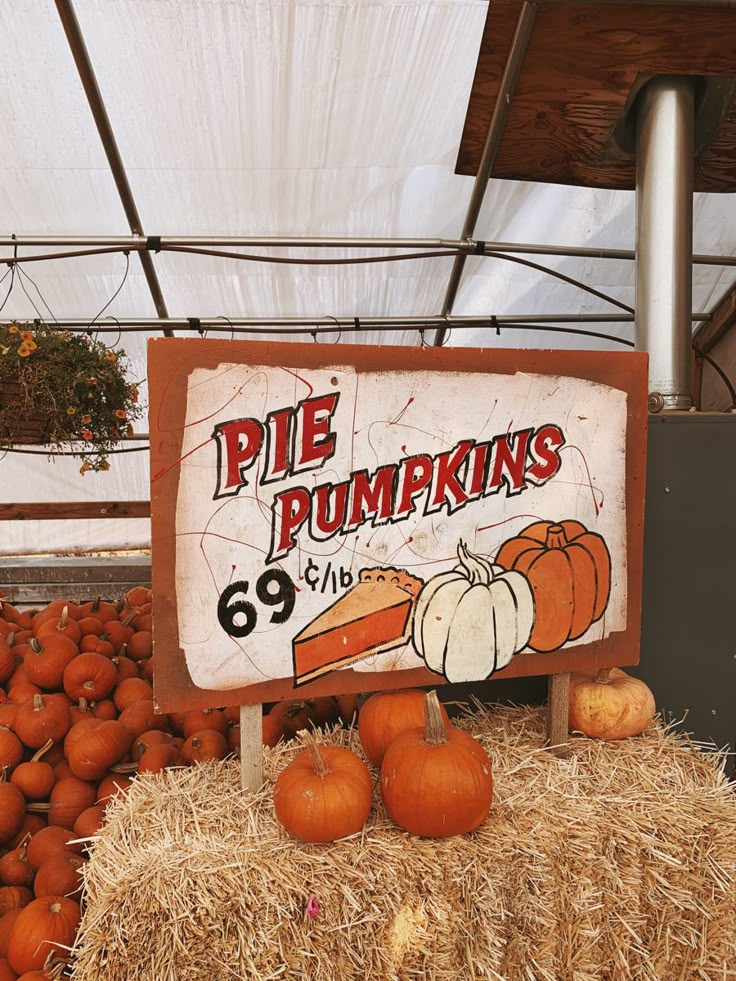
{"x": 611, "y": 705}
{"x": 436, "y": 781}
{"x": 324, "y": 793}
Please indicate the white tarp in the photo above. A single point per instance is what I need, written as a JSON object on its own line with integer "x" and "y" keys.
{"x": 275, "y": 117}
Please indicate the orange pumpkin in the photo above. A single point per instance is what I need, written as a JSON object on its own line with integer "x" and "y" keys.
{"x": 131, "y": 690}
{"x": 49, "y": 841}
{"x": 436, "y": 781}
{"x": 99, "y": 746}
{"x": 611, "y": 705}
{"x": 14, "y": 897}
{"x": 89, "y": 675}
{"x": 140, "y": 645}
{"x": 99, "y": 609}
{"x": 90, "y": 627}
{"x": 60, "y": 875}
{"x": 6, "y": 923}
{"x": 271, "y": 730}
{"x": 89, "y": 822}
{"x": 15, "y": 869}
{"x": 113, "y": 785}
{"x": 65, "y": 626}
{"x": 156, "y": 759}
{"x": 68, "y": 799}
{"x": 569, "y": 570}
{"x": 387, "y": 714}
{"x": 141, "y": 716}
{"x": 47, "y": 659}
{"x": 324, "y": 793}
{"x": 138, "y": 595}
{"x": 293, "y": 717}
{"x": 41, "y": 718}
{"x": 46, "y": 924}
{"x": 32, "y": 824}
{"x": 198, "y": 719}
{"x": 12, "y": 811}
{"x": 11, "y": 749}
{"x": 8, "y": 974}
{"x": 8, "y": 661}
{"x": 209, "y": 744}
{"x": 91, "y": 644}
{"x": 35, "y": 779}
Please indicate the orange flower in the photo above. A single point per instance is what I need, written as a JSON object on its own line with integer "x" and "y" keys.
{"x": 92, "y": 381}
{"x": 111, "y": 356}
{"x": 26, "y": 335}
{"x": 87, "y": 434}
{"x": 85, "y": 467}
{"x": 85, "y": 419}
{"x": 71, "y": 410}
{"x": 14, "y": 329}
{"x": 121, "y": 414}
{"x": 24, "y": 350}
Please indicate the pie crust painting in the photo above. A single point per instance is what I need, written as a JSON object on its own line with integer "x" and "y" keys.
{"x": 372, "y": 617}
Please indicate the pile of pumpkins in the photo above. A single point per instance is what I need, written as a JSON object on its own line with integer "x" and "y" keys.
{"x": 77, "y": 722}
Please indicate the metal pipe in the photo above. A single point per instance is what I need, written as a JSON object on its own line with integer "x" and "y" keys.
{"x": 137, "y": 243}
{"x": 665, "y": 118}
{"x": 87, "y": 77}
{"x": 506, "y": 90}
{"x": 308, "y": 324}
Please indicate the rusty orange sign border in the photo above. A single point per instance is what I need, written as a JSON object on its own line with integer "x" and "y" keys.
{"x": 170, "y": 361}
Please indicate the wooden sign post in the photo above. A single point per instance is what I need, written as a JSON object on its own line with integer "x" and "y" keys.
{"x": 350, "y": 519}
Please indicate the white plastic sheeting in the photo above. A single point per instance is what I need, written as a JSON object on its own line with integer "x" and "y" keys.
{"x": 275, "y": 117}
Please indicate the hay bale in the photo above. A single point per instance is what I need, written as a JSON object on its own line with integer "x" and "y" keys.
{"x": 619, "y": 862}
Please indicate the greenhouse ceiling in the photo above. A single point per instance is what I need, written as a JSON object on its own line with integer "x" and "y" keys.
{"x": 289, "y": 119}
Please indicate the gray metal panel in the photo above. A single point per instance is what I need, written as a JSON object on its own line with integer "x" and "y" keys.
{"x": 688, "y": 654}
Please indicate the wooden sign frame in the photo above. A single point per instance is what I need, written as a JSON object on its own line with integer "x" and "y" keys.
{"x": 171, "y": 360}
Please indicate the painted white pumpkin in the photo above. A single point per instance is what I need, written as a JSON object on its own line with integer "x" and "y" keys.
{"x": 470, "y": 622}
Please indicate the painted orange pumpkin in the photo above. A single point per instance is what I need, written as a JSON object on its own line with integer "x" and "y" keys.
{"x": 323, "y": 794}
{"x": 436, "y": 781}
{"x": 569, "y": 570}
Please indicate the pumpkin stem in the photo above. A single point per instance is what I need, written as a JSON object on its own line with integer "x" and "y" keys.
{"x": 603, "y": 677}
{"x": 318, "y": 760}
{"x": 35, "y": 645}
{"x": 82, "y": 705}
{"x": 63, "y": 619}
{"x": 130, "y": 618}
{"x": 434, "y": 733}
{"x": 38, "y": 703}
{"x": 556, "y": 537}
{"x": 37, "y": 808}
{"x": 44, "y": 749}
{"x": 10, "y": 638}
{"x": 127, "y": 767}
{"x": 55, "y": 907}
{"x": 96, "y": 605}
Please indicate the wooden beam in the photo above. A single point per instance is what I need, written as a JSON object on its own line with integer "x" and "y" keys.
{"x": 722, "y": 319}
{"x": 55, "y": 510}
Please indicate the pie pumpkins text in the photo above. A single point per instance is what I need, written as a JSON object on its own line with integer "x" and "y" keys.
{"x": 436, "y": 782}
{"x": 569, "y": 571}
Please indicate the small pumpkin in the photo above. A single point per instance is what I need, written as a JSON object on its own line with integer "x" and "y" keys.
{"x": 112, "y": 786}
{"x": 156, "y": 759}
{"x": 47, "y": 659}
{"x": 6, "y": 923}
{"x": 65, "y": 626}
{"x": 293, "y": 717}
{"x": 68, "y": 799}
{"x": 8, "y": 661}
{"x": 15, "y": 869}
{"x": 89, "y": 821}
{"x": 8, "y": 974}
{"x": 153, "y": 737}
{"x": 60, "y": 875}
{"x": 89, "y": 675}
{"x": 611, "y": 705}
{"x": 133, "y": 689}
{"x": 46, "y": 924}
{"x": 569, "y": 570}
{"x": 141, "y": 716}
{"x": 12, "y": 811}
{"x": 469, "y": 623}
{"x": 35, "y": 779}
{"x": 387, "y": 714}
{"x": 92, "y": 644}
{"x": 99, "y": 609}
{"x": 140, "y": 645}
{"x": 198, "y": 719}
{"x": 436, "y": 781}
{"x": 49, "y": 841}
{"x": 14, "y": 897}
{"x": 41, "y": 718}
{"x": 100, "y": 745}
{"x": 11, "y": 749}
{"x": 271, "y": 730}
{"x": 32, "y": 824}
{"x": 324, "y": 793}
{"x": 203, "y": 746}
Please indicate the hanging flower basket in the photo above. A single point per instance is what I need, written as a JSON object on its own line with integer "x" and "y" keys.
{"x": 58, "y": 387}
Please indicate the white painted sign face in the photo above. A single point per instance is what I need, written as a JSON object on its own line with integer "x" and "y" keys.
{"x": 385, "y": 520}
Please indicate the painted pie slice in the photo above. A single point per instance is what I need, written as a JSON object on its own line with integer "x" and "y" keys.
{"x": 372, "y": 617}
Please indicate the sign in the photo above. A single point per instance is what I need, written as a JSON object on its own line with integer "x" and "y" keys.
{"x": 335, "y": 519}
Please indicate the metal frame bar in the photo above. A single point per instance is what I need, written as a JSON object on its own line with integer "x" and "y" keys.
{"x": 507, "y": 88}
{"x": 141, "y": 243}
{"x": 88, "y": 79}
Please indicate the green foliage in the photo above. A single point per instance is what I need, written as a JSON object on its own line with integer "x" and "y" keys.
{"x": 68, "y": 386}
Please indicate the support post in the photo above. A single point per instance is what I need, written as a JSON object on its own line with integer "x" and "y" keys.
{"x": 251, "y": 748}
{"x": 558, "y": 708}
{"x": 665, "y": 125}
